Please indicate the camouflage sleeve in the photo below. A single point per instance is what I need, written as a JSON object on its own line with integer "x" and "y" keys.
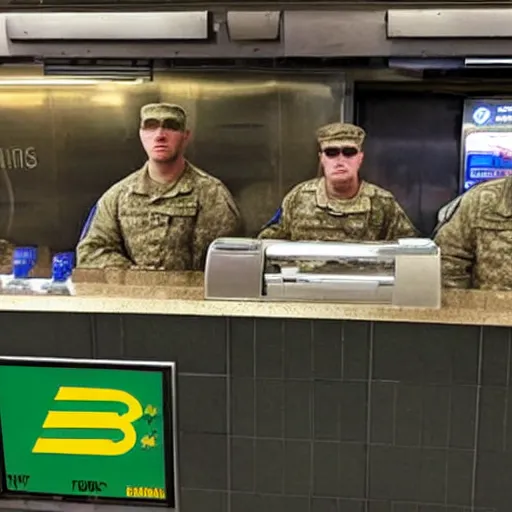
{"x": 398, "y": 225}
{"x": 218, "y": 217}
{"x": 6, "y": 251}
{"x": 278, "y": 227}
{"x": 101, "y": 244}
{"x": 456, "y": 241}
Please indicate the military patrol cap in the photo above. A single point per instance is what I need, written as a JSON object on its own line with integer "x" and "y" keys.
{"x": 340, "y": 134}
{"x": 164, "y": 112}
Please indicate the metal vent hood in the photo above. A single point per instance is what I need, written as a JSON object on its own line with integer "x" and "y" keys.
{"x": 234, "y": 33}
{"x": 132, "y": 35}
{"x": 433, "y": 31}
{"x": 231, "y": 4}
{"x": 107, "y": 26}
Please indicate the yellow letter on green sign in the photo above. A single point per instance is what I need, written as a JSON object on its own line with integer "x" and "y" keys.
{"x": 91, "y": 420}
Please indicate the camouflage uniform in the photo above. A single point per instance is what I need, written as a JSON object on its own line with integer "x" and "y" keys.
{"x": 476, "y": 242}
{"x": 141, "y": 223}
{"x": 307, "y": 213}
{"x": 6, "y": 251}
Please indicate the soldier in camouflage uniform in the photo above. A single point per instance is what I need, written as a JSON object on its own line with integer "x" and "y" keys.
{"x": 6, "y": 251}
{"x": 339, "y": 206}
{"x": 165, "y": 215}
{"x": 476, "y": 238}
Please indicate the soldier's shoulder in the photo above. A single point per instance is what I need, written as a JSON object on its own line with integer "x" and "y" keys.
{"x": 5, "y": 245}
{"x": 486, "y": 190}
{"x": 200, "y": 174}
{"x": 6, "y": 250}
{"x": 479, "y": 198}
{"x": 372, "y": 190}
{"x": 304, "y": 187}
{"x": 204, "y": 180}
{"x": 491, "y": 200}
{"x": 301, "y": 193}
{"x": 212, "y": 190}
{"x": 492, "y": 184}
{"x": 122, "y": 185}
{"x": 484, "y": 196}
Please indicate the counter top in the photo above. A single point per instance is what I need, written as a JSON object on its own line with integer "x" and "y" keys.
{"x": 182, "y": 293}
{"x": 459, "y": 307}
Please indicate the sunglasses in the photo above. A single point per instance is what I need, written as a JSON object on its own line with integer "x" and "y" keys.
{"x": 333, "y": 152}
{"x": 166, "y": 124}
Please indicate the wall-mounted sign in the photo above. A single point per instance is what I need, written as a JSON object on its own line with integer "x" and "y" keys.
{"x": 486, "y": 140}
{"x": 102, "y": 430}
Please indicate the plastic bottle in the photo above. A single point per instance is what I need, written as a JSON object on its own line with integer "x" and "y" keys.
{"x": 62, "y": 268}
{"x": 23, "y": 261}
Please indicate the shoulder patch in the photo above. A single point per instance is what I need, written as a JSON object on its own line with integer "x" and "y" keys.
{"x": 275, "y": 219}
{"x": 448, "y": 210}
{"x": 446, "y": 213}
{"x": 88, "y": 222}
{"x": 229, "y": 198}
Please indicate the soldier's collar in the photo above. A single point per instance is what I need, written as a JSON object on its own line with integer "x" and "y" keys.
{"x": 184, "y": 185}
{"x": 324, "y": 201}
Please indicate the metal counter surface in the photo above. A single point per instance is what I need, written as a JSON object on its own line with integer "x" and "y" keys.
{"x": 459, "y": 307}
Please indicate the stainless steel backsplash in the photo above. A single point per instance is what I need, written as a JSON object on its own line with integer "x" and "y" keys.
{"x": 61, "y": 147}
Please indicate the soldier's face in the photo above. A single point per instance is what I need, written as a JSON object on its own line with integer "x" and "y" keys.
{"x": 163, "y": 141}
{"x": 340, "y": 163}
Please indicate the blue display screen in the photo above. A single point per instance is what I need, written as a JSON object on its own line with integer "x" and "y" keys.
{"x": 488, "y": 142}
{"x": 481, "y": 161}
{"x": 487, "y": 162}
{"x": 485, "y": 166}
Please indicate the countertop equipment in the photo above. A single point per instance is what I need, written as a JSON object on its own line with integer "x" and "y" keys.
{"x": 402, "y": 273}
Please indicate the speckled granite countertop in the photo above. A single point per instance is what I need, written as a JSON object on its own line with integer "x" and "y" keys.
{"x": 459, "y": 307}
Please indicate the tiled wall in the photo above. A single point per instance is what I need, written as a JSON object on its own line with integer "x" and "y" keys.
{"x": 316, "y": 416}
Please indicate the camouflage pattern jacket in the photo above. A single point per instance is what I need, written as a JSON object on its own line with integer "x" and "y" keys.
{"x": 308, "y": 214}
{"x": 6, "y": 251}
{"x": 140, "y": 223}
{"x": 476, "y": 241}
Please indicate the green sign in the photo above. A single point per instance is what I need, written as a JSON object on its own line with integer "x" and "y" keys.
{"x": 88, "y": 429}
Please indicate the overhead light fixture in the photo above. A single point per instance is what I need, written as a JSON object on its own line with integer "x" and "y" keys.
{"x": 425, "y": 64}
{"x": 59, "y": 73}
{"x": 99, "y": 72}
{"x": 495, "y": 62}
{"x": 62, "y": 81}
